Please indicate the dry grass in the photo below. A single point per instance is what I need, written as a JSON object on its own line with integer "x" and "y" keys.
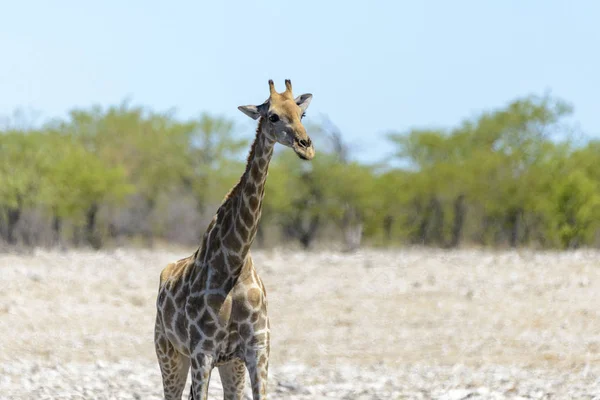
{"x": 396, "y": 308}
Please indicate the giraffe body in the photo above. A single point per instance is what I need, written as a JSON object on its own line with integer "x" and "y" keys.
{"x": 212, "y": 305}
{"x": 239, "y": 325}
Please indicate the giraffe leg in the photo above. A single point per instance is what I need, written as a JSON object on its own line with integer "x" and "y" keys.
{"x": 174, "y": 366}
{"x": 202, "y": 364}
{"x": 233, "y": 378}
{"x": 257, "y": 362}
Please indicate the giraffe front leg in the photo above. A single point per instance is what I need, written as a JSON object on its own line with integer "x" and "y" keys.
{"x": 257, "y": 362}
{"x": 202, "y": 365}
{"x": 233, "y": 378}
{"x": 173, "y": 365}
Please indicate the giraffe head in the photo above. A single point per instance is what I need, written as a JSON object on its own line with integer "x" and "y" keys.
{"x": 281, "y": 115}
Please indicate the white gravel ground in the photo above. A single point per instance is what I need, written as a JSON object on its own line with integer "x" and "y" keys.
{"x": 406, "y": 324}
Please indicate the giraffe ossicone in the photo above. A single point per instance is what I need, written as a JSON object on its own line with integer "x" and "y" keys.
{"x": 212, "y": 305}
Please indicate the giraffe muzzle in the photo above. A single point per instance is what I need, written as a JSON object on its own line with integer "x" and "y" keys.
{"x": 304, "y": 148}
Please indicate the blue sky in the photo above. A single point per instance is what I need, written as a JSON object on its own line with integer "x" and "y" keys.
{"x": 372, "y": 66}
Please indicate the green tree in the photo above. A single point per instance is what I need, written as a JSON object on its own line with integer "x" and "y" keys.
{"x": 20, "y": 174}
{"x": 77, "y": 184}
{"x": 213, "y": 159}
{"x": 295, "y": 198}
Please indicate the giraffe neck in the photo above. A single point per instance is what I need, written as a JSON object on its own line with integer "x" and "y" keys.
{"x": 230, "y": 234}
{"x": 247, "y": 196}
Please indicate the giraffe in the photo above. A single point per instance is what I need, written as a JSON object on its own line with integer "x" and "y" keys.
{"x": 212, "y": 305}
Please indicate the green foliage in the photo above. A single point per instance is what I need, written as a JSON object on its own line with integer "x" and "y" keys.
{"x": 20, "y": 169}
{"x": 506, "y": 177}
{"x": 77, "y": 179}
{"x": 509, "y": 171}
{"x": 212, "y": 158}
{"x": 294, "y": 195}
{"x": 112, "y": 157}
{"x": 577, "y": 209}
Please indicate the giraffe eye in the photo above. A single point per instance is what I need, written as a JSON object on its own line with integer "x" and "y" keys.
{"x": 303, "y": 115}
{"x": 274, "y": 118}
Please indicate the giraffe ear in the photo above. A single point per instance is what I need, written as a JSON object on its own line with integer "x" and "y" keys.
{"x": 303, "y": 101}
{"x": 255, "y": 112}
{"x": 251, "y": 111}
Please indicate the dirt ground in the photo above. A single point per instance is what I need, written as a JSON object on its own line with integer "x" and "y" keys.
{"x": 377, "y": 324}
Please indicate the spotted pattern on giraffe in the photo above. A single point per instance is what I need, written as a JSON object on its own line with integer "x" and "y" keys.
{"x": 212, "y": 305}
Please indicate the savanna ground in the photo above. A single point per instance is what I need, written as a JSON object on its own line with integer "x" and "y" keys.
{"x": 414, "y": 324}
